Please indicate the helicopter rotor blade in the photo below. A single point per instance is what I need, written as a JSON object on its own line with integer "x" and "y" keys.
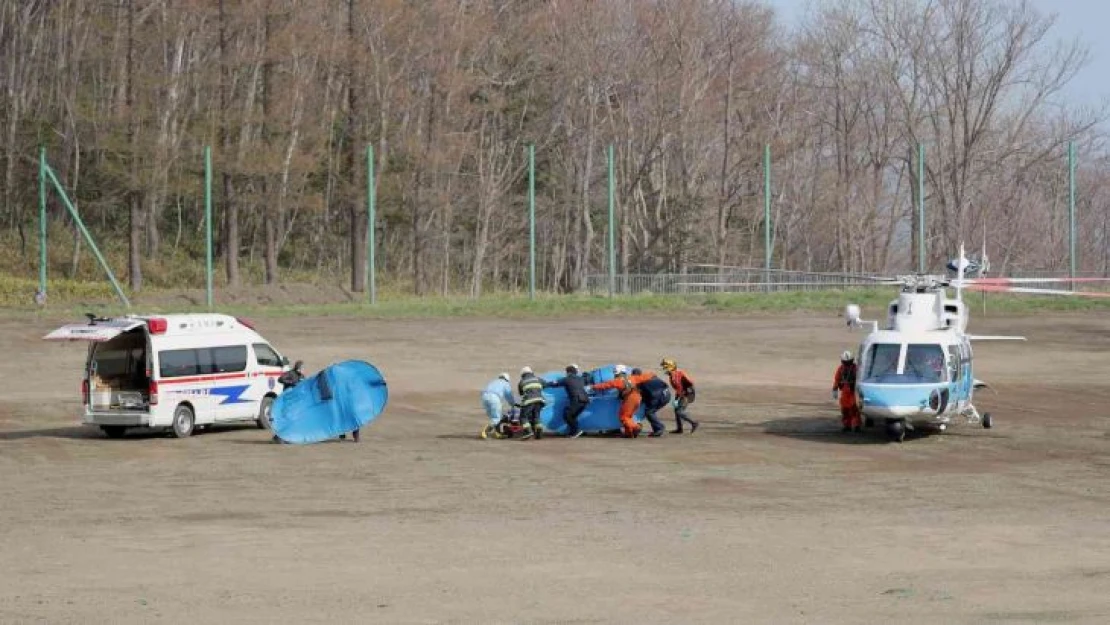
{"x": 998, "y": 288}
{"x": 1008, "y": 281}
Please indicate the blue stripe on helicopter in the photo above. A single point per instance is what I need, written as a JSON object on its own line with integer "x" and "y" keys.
{"x": 899, "y": 395}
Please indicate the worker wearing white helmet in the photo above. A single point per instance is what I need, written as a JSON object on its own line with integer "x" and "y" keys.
{"x": 629, "y": 396}
{"x": 844, "y": 389}
{"x": 532, "y": 402}
{"x": 497, "y": 394}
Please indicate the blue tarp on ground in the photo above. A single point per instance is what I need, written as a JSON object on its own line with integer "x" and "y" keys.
{"x": 599, "y": 416}
{"x": 337, "y": 400}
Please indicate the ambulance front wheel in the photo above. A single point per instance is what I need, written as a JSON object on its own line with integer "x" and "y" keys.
{"x": 183, "y": 421}
{"x": 987, "y": 423}
{"x": 264, "y": 413}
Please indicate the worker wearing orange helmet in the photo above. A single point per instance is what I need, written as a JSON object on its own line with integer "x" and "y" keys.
{"x": 844, "y": 389}
{"x": 629, "y": 394}
{"x": 684, "y": 394}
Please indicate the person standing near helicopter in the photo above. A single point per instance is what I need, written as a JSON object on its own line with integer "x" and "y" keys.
{"x": 844, "y": 389}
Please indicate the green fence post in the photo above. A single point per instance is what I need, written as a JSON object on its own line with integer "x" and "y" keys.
{"x": 208, "y": 222}
{"x": 88, "y": 237}
{"x": 612, "y": 232}
{"x": 532, "y": 220}
{"x": 1071, "y": 212}
{"x": 371, "y": 225}
{"x": 921, "y": 208}
{"x": 42, "y": 220}
{"x": 767, "y": 212}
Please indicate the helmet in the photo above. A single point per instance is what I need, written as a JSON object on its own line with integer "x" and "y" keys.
{"x": 572, "y": 368}
{"x": 846, "y": 356}
{"x": 620, "y": 370}
{"x": 504, "y": 375}
{"x": 668, "y": 364}
{"x": 637, "y": 371}
{"x": 526, "y": 371}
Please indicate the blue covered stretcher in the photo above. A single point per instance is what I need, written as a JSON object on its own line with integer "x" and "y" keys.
{"x": 600, "y": 415}
{"x": 339, "y": 399}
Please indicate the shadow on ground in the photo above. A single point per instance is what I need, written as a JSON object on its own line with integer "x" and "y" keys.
{"x": 825, "y": 430}
{"x": 92, "y": 433}
{"x": 76, "y": 433}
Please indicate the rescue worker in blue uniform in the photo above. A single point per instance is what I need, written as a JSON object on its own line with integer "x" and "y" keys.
{"x": 656, "y": 395}
{"x": 577, "y": 399}
{"x": 497, "y": 394}
{"x": 531, "y": 403}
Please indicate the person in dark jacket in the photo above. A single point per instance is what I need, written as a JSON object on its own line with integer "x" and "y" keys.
{"x": 655, "y": 396}
{"x": 292, "y": 377}
{"x": 530, "y": 389}
{"x": 577, "y": 400}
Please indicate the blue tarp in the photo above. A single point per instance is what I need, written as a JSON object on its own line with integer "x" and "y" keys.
{"x": 599, "y": 416}
{"x": 337, "y": 400}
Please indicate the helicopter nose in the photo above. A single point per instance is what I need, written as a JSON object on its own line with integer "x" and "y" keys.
{"x": 892, "y": 401}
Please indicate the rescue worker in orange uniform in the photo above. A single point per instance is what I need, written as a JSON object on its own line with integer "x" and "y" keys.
{"x": 684, "y": 394}
{"x": 629, "y": 395}
{"x": 844, "y": 389}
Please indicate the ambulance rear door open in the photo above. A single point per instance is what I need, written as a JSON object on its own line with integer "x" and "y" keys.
{"x": 116, "y": 376}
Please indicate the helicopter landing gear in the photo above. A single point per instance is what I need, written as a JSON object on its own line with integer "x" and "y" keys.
{"x": 973, "y": 416}
{"x": 896, "y": 430}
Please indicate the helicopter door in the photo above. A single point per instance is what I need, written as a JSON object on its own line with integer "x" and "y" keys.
{"x": 955, "y": 375}
{"x": 967, "y": 380}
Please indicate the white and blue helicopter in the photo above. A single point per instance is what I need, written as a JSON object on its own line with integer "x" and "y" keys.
{"x": 916, "y": 372}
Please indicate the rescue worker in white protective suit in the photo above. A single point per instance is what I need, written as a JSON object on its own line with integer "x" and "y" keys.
{"x": 497, "y": 391}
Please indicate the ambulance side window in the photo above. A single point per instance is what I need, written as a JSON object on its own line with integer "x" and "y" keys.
{"x": 206, "y": 364}
{"x": 176, "y": 363}
{"x": 229, "y": 359}
{"x": 266, "y": 356}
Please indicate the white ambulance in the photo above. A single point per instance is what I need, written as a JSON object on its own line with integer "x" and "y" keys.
{"x": 174, "y": 371}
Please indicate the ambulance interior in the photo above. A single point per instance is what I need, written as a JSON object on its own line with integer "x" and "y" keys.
{"x": 118, "y": 372}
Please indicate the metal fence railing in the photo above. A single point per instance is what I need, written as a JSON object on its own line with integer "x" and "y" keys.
{"x": 725, "y": 280}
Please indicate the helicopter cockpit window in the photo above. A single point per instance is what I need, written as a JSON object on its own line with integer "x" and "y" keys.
{"x": 925, "y": 363}
{"x": 882, "y": 361}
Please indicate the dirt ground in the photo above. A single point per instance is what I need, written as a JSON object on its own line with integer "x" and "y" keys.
{"x": 767, "y": 514}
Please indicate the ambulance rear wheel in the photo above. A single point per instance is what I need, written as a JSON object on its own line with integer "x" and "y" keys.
{"x": 183, "y": 421}
{"x": 264, "y": 413}
{"x": 868, "y": 422}
{"x": 113, "y": 431}
{"x": 987, "y": 423}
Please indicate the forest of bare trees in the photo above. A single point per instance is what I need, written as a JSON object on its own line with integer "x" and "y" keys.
{"x": 125, "y": 94}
